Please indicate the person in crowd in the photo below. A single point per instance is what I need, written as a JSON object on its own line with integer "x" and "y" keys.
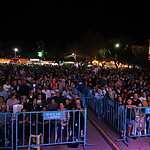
{"x": 23, "y": 125}
{"x": 61, "y": 85}
{"x": 3, "y": 93}
{"x": 68, "y": 104}
{"x": 1, "y": 101}
{"x": 136, "y": 100}
{"x": 54, "y": 84}
{"x": 7, "y": 86}
{"x": 65, "y": 92}
{"x": 130, "y": 118}
{"x": 143, "y": 97}
{"x": 33, "y": 85}
{"x": 62, "y": 124}
{"x": 11, "y": 102}
{"x": 46, "y": 91}
{"x": 39, "y": 92}
{"x": 71, "y": 95}
{"x": 24, "y": 88}
{"x": 4, "y": 124}
{"x": 70, "y": 84}
{"x": 40, "y": 101}
{"x": 52, "y": 106}
{"x": 34, "y": 106}
{"x": 25, "y": 102}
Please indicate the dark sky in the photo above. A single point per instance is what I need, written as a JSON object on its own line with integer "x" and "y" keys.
{"x": 24, "y": 22}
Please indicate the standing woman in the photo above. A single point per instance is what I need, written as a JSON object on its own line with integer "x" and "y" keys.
{"x": 54, "y": 84}
{"x": 63, "y": 124}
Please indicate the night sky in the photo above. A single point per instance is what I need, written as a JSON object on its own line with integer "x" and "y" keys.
{"x": 24, "y": 22}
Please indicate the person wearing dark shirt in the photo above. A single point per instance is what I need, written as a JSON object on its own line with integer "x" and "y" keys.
{"x": 52, "y": 106}
{"x": 135, "y": 100}
{"x": 24, "y": 89}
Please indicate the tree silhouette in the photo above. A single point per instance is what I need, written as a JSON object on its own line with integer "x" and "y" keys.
{"x": 88, "y": 44}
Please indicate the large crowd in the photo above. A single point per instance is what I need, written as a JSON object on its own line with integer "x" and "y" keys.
{"x": 47, "y": 88}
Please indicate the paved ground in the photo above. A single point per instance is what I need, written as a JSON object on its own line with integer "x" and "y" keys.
{"x": 141, "y": 143}
{"x": 93, "y": 137}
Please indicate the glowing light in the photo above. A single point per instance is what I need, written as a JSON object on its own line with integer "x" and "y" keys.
{"x": 117, "y": 45}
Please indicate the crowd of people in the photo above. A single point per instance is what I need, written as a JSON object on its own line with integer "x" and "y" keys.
{"x": 44, "y": 87}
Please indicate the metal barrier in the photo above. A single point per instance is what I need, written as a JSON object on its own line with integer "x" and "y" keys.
{"x": 130, "y": 122}
{"x": 6, "y": 131}
{"x": 138, "y": 121}
{"x": 35, "y": 129}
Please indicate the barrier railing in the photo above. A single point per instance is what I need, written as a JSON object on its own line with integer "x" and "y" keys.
{"x": 35, "y": 129}
{"x": 138, "y": 121}
{"x": 130, "y": 122}
{"x": 6, "y": 130}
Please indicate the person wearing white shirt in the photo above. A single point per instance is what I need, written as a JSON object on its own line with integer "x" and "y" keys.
{"x": 143, "y": 97}
{"x": 6, "y": 86}
{"x": 47, "y": 92}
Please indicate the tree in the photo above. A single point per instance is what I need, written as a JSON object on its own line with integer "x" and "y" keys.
{"x": 119, "y": 50}
{"x": 88, "y": 45}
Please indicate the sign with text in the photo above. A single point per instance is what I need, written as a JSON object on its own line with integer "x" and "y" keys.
{"x": 48, "y": 115}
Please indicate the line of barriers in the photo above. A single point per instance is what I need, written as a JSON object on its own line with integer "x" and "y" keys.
{"x": 129, "y": 122}
{"x": 43, "y": 128}
{"x": 36, "y": 129}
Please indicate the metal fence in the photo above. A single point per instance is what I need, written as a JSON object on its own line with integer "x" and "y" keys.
{"x": 129, "y": 122}
{"x": 6, "y": 130}
{"x": 36, "y": 129}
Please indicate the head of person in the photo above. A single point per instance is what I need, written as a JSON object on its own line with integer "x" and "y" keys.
{"x": 53, "y": 101}
{"x": 61, "y": 105}
{"x": 129, "y": 101}
{"x": 135, "y": 96}
{"x": 1, "y": 99}
{"x": 144, "y": 94}
{"x": 44, "y": 108}
{"x": 34, "y": 101}
{"x": 4, "y": 107}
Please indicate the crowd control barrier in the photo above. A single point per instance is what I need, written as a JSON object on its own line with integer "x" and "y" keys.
{"x": 129, "y": 122}
{"x": 138, "y": 121}
{"x": 43, "y": 128}
{"x": 6, "y": 130}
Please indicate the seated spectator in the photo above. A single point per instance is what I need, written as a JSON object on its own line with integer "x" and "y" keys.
{"x": 40, "y": 101}
{"x": 47, "y": 92}
{"x": 54, "y": 85}
{"x": 143, "y": 97}
{"x": 71, "y": 95}
{"x": 67, "y": 104}
{"x": 7, "y": 86}
{"x": 39, "y": 92}
{"x": 34, "y": 106}
{"x": 1, "y": 102}
{"x": 3, "y": 93}
{"x": 65, "y": 92}
{"x": 12, "y": 101}
{"x": 58, "y": 97}
{"x": 70, "y": 84}
{"x": 52, "y": 106}
{"x": 25, "y": 102}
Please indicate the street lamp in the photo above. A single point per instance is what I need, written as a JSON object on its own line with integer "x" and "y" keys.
{"x": 16, "y": 50}
{"x": 117, "y": 45}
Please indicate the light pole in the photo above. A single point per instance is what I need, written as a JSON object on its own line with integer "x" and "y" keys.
{"x": 16, "y": 50}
